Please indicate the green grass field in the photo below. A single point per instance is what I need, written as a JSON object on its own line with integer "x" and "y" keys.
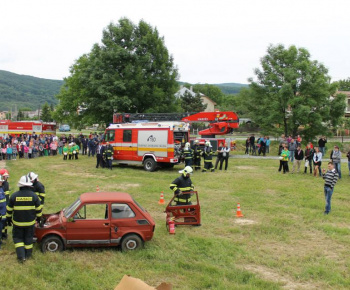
{"x": 283, "y": 240}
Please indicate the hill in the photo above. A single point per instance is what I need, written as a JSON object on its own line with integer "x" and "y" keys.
{"x": 231, "y": 88}
{"x": 26, "y": 91}
{"x": 226, "y": 88}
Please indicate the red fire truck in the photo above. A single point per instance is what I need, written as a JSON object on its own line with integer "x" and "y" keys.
{"x": 8, "y": 127}
{"x": 220, "y": 123}
{"x": 150, "y": 144}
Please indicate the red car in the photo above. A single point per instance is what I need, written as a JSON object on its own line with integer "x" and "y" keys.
{"x": 96, "y": 219}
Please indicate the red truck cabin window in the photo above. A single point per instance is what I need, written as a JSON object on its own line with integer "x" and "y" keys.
{"x": 127, "y": 135}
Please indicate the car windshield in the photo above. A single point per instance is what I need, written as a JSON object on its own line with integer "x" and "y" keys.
{"x": 69, "y": 210}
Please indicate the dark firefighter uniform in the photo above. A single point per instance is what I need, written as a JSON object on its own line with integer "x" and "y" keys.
{"x": 197, "y": 155}
{"x": 208, "y": 158}
{"x": 39, "y": 190}
{"x": 188, "y": 155}
{"x": 108, "y": 156}
{"x": 6, "y": 189}
{"x": 181, "y": 187}
{"x": 22, "y": 211}
{"x": 2, "y": 212}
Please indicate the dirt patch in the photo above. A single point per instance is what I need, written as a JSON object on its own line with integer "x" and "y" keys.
{"x": 270, "y": 191}
{"x": 247, "y": 167}
{"x": 121, "y": 186}
{"x": 269, "y": 274}
{"x": 242, "y": 221}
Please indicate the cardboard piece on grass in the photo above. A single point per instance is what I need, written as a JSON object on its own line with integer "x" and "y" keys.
{"x": 131, "y": 283}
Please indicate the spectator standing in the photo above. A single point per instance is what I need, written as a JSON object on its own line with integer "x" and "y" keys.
{"x": 299, "y": 156}
{"x": 336, "y": 159}
{"x": 247, "y": 143}
{"x": 330, "y": 179}
{"x": 268, "y": 142}
{"x": 309, "y": 154}
{"x": 317, "y": 161}
{"x": 225, "y": 156}
{"x": 292, "y": 147}
{"x": 348, "y": 155}
{"x": 322, "y": 145}
{"x": 219, "y": 156}
{"x": 252, "y": 144}
{"x": 285, "y": 157}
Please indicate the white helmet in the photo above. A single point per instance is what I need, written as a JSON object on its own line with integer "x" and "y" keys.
{"x": 1, "y": 178}
{"x": 196, "y": 141}
{"x": 186, "y": 170}
{"x": 207, "y": 143}
{"x": 32, "y": 176}
{"x": 24, "y": 181}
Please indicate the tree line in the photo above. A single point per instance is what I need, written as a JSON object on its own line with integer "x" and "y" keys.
{"x": 131, "y": 70}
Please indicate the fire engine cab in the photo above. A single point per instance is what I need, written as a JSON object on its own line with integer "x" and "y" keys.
{"x": 151, "y": 144}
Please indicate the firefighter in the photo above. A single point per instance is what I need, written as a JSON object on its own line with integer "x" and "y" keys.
{"x": 208, "y": 157}
{"x": 38, "y": 187}
{"x": 2, "y": 209}
{"x": 23, "y": 209}
{"x": 6, "y": 188}
{"x": 108, "y": 155}
{"x": 197, "y": 155}
{"x": 182, "y": 186}
{"x": 188, "y": 154}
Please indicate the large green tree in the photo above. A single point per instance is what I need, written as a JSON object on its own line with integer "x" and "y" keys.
{"x": 344, "y": 85}
{"x": 294, "y": 93}
{"x": 130, "y": 71}
{"x": 46, "y": 113}
{"x": 192, "y": 103}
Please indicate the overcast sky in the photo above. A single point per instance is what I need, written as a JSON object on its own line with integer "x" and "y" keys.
{"x": 211, "y": 41}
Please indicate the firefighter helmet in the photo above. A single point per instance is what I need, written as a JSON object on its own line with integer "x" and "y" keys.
{"x": 196, "y": 141}
{"x": 24, "y": 181}
{"x": 32, "y": 176}
{"x": 2, "y": 172}
{"x": 1, "y": 178}
{"x": 207, "y": 143}
{"x": 187, "y": 145}
{"x": 186, "y": 170}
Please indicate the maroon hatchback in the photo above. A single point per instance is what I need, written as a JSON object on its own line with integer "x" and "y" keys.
{"x": 99, "y": 220}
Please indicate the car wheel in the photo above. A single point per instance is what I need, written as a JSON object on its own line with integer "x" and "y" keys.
{"x": 131, "y": 242}
{"x": 52, "y": 244}
{"x": 149, "y": 164}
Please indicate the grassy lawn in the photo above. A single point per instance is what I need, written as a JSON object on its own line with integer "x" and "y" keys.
{"x": 283, "y": 241}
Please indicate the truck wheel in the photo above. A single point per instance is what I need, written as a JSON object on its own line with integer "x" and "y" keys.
{"x": 52, "y": 244}
{"x": 131, "y": 242}
{"x": 149, "y": 164}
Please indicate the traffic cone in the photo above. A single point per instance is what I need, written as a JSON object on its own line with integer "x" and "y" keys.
{"x": 171, "y": 227}
{"x": 97, "y": 188}
{"x": 239, "y": 213}
{"x": 161, "y": 200}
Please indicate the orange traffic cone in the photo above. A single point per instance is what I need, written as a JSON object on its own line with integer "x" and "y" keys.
{"x": 239, "y": 213}
{"x": 97, "y": 188}
{"x": 161, "y": 200}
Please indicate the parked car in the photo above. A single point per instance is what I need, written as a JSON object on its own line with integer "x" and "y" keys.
{"x": 99, "y": 220}
{"x": 64, "y": 128}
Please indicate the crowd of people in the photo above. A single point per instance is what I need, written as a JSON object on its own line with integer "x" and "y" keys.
{"x": 33, "y": 145}
{"x": 262, "y": 145}
{"x": 290, "y": 150}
